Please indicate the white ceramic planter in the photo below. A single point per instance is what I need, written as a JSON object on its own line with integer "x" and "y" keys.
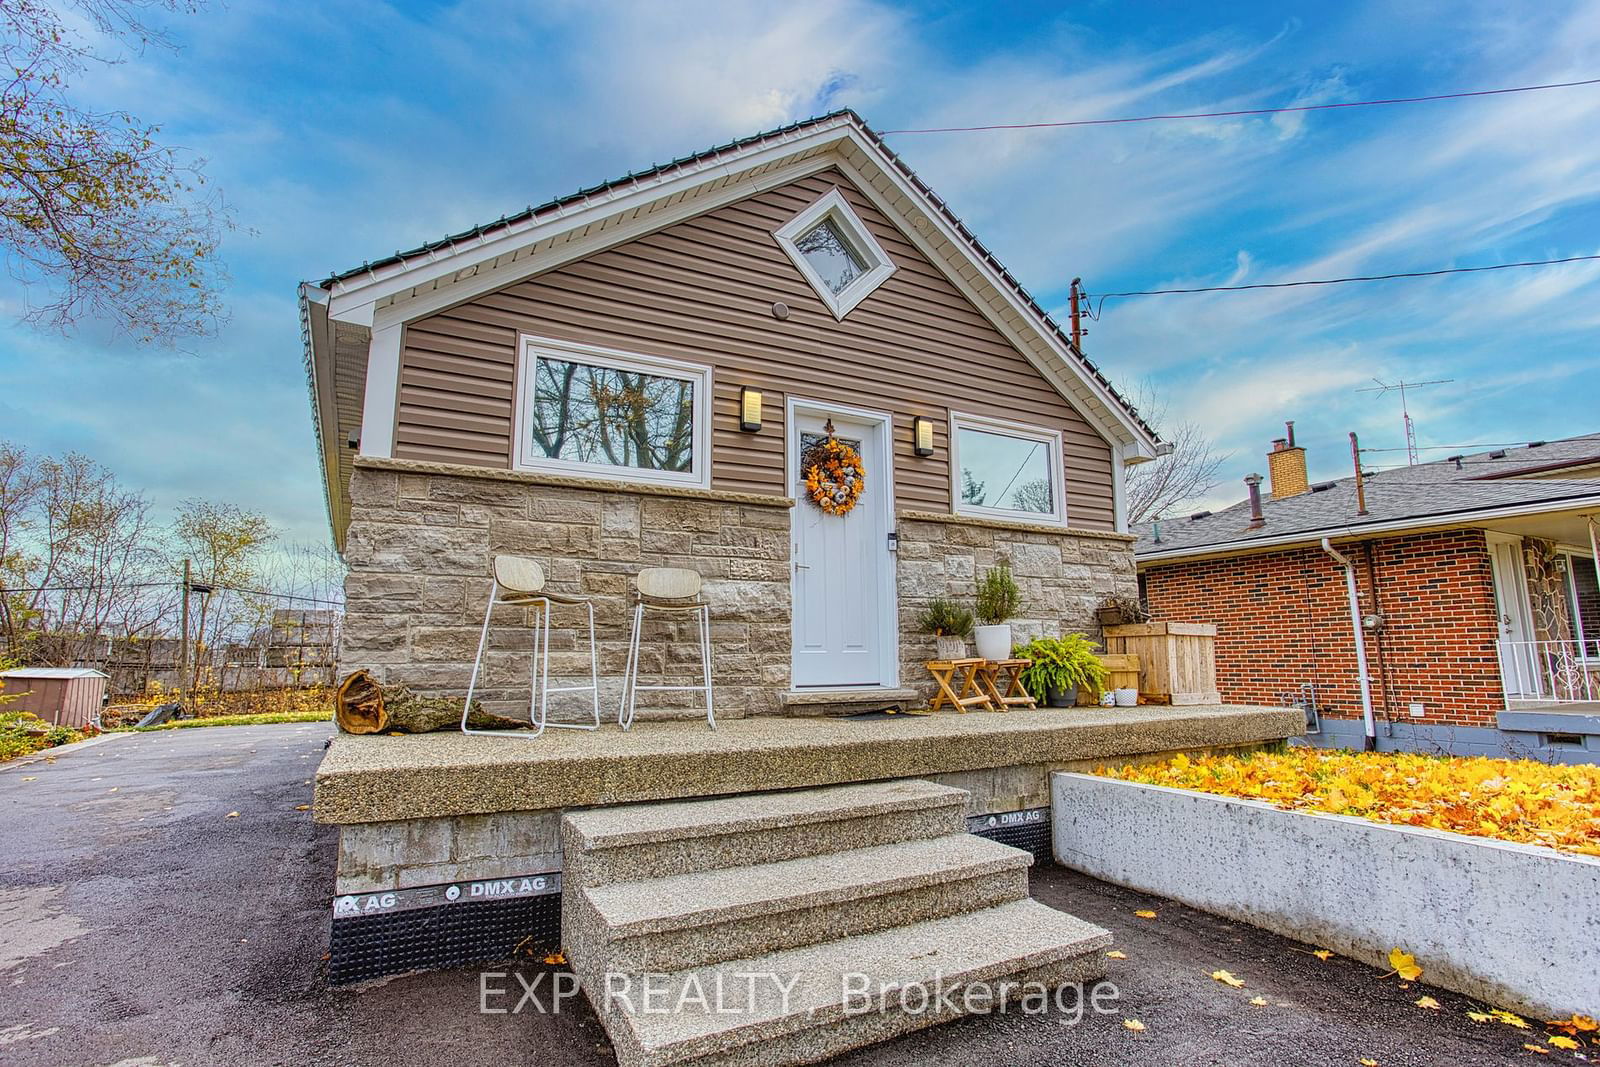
{"x": 1127, "y": 698}
{"x": 1467, "y": 907}
{"x": 994, "y": 642}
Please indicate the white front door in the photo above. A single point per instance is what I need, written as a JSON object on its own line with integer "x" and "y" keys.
{"x": 843, "y": 568}
{"x": 1518, "y": 662}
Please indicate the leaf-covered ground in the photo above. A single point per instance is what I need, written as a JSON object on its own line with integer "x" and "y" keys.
{"x": 1513, "y": 800}
{"x": 23, "y": 733}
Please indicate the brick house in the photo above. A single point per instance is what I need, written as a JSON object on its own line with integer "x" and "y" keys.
{"x": 1476, "y": 598}
{"x": 753, "y": 299}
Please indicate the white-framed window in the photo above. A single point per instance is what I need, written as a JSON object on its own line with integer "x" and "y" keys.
{"x": 600, "y": 413}
{"x": 1582, "y": 587}
{"x": 1006, "y": 470}
{"x": 836, "y": 252}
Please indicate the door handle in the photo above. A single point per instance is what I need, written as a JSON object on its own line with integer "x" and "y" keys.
{"x": 801, "y": 566}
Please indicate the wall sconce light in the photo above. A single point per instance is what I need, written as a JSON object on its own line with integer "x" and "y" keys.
{"x": 749, "y": 409}
{"x": 922, "y": 436}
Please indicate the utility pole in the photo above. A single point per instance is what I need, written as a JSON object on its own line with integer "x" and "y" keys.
{"x": 1361, "y": 486}
{"x": 1077, "y": 314}
{"x": 183, "y": 639}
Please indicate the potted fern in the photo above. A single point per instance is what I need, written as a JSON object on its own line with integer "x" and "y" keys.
{"x": 1061, "y": 667}
{"x": 998, "y": 600}
{"x": 950, "y": 624}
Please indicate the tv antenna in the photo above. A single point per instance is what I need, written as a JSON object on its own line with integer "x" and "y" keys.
{"x": 1383, "y": 388}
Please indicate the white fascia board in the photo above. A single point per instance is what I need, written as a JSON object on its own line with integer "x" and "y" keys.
{"x": 442, "y": 266}
{"x": 380, "y": 403}
{"x": 980, "y": 284}
{"x": 1420, "y": 524}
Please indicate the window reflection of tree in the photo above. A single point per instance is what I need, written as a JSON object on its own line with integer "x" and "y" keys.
{"x": 833, "y": 258}
{"x": 1033, "y": 496}
{"x": 591, "y": 414}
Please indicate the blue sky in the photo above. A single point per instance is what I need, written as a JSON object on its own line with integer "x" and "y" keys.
{"x": 343, "y": 132}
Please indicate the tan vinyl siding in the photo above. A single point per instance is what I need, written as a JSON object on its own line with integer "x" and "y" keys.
{"x": 702, "y": 291}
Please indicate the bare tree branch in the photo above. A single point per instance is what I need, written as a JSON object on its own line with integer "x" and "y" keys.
{"x": 1170, "y": 483}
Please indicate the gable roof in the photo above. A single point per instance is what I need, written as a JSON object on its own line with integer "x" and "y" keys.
{"x": 1439, "y": 493}
{"x": 340, "y": 311}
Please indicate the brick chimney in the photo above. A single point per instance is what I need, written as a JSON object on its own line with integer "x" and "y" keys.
{"x": 1286, "y": 464}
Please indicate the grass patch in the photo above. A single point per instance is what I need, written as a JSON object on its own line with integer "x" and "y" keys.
{"x": 230, "y": 720}
{"x": 23, "y": 733}
{"x": 1511, "y": 800}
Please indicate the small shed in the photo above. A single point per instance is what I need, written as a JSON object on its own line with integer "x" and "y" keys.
{"x": 66, "y": 696}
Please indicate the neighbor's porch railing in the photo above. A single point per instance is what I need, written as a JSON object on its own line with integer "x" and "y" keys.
{"x": 1550, "y": 672}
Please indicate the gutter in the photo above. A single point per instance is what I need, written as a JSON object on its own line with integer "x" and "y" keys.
{"x": 1371, "y": 741}
{"x": 1413, "y": 524}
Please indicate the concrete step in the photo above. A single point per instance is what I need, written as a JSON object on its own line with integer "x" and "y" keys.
{"x": 1003, "y": 949}
{"x": 690, "y": 920}
{"x": 635, "y": 841}
{"x": 839, "y": 702}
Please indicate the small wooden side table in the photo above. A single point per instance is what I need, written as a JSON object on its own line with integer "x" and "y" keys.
{"x": 971, "y": 694}
{"x": 1008, "y": 672}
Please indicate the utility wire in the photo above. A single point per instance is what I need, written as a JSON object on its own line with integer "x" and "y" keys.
{"x": 1341, "y": 281}
{"x": 1246, "y": 111}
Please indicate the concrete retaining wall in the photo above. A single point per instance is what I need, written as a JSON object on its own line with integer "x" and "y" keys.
{"x": 1516, "y": 926}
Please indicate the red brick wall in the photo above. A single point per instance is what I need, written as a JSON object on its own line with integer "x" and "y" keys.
{"x": 1283, "y": 620}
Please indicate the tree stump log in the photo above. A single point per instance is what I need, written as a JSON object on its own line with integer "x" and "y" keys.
{"x": 362, "y": 706}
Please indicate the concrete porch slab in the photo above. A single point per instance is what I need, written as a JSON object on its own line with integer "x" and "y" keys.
{"x": 377, "y": 779}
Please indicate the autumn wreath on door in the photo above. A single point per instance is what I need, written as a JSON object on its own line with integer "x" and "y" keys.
{"x": 834, "y": 474}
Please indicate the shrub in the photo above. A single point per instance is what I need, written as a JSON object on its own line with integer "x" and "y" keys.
{"x": 945, "y": 618}
{"x": 1065, "y": 664}
{"x": 998, "y": 596}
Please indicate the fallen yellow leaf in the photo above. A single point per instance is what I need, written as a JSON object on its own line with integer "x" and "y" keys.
{"x": 1563, "y": 1042}
{"x": 1510, "y": 1018}
{"x": 1133, "y": 1024}
{"x": 1145, "y": 913}
{"x": 1368, "y": 1061}
{"x": 31, "y": 778}
{"x": 1427, "y": 1002}
{"x": 1584, "y": 1023}
{"x": 1540, "y": 1049}
{"x": 231, "y": 815}
{"x": 1405, "y": 965}
{"x": 302, "y": 807}
{"x": 1227, "y": 979}
{"x": 1116, "y": 954}
{"x": 1322, "y": 954}
{"x": 555, "y": 957}
{"x": 1480, "y": 1016}
{"x": 1259, "y": 1002}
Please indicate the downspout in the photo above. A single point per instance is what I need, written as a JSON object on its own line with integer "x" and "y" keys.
{"x": 1371, "y": 741}
{"x": 1377, "y": 641}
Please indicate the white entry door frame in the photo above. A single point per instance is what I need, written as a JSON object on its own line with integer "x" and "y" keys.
{"x": 844, "y": 625}
{"x": 1517, "y": 670}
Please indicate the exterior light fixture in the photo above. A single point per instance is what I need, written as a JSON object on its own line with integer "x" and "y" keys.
{"x": 922, "y": 436}
{"x": 749, "y": 409}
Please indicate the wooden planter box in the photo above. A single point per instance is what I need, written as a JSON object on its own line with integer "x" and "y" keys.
{"x": 1124, "y": 675}
{"x": 1177, "y": 660}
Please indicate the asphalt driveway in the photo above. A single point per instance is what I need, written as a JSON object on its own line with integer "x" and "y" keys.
{"x": 142, "y": 924}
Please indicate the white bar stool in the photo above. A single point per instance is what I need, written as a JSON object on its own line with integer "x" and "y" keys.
{"x": 519, "y": 580}
{"x": 668, "y": 589}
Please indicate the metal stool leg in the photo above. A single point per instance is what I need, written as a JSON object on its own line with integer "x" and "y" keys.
{"x": 705, "y": 662}
{"x": 483, "y": 636}
{"x": 630, "y": 676}
{"x": 594, "y": 669}
{"x": 544, "y": 688}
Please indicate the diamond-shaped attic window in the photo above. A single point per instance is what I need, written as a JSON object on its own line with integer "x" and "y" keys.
{"x": 835, "y": 252}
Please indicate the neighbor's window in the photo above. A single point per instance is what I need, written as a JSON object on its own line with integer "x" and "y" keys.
{"x": 835, "y": 252}
{"x": 1583, "y": 601}
{"x": 595, "y": 412}
{"x": 1007, "y": 470}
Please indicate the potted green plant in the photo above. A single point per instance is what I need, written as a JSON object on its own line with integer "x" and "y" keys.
{"x": 950, "y": 624}
{"x": 1061, "y": 666}
{"x": 998, "y": 600}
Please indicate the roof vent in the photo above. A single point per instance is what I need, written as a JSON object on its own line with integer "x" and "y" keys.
{"x": 1323, "y": 487}
{"x": 1498, "y": 453}
{"x": 1536, "y": 444}
{"x": 1454, "y": 459}
{"x": 1197, "y": 516}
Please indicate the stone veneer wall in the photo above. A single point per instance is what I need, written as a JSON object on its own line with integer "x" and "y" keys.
{"x": 421, "y": 537}
{"x": 1064, "y": 575}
